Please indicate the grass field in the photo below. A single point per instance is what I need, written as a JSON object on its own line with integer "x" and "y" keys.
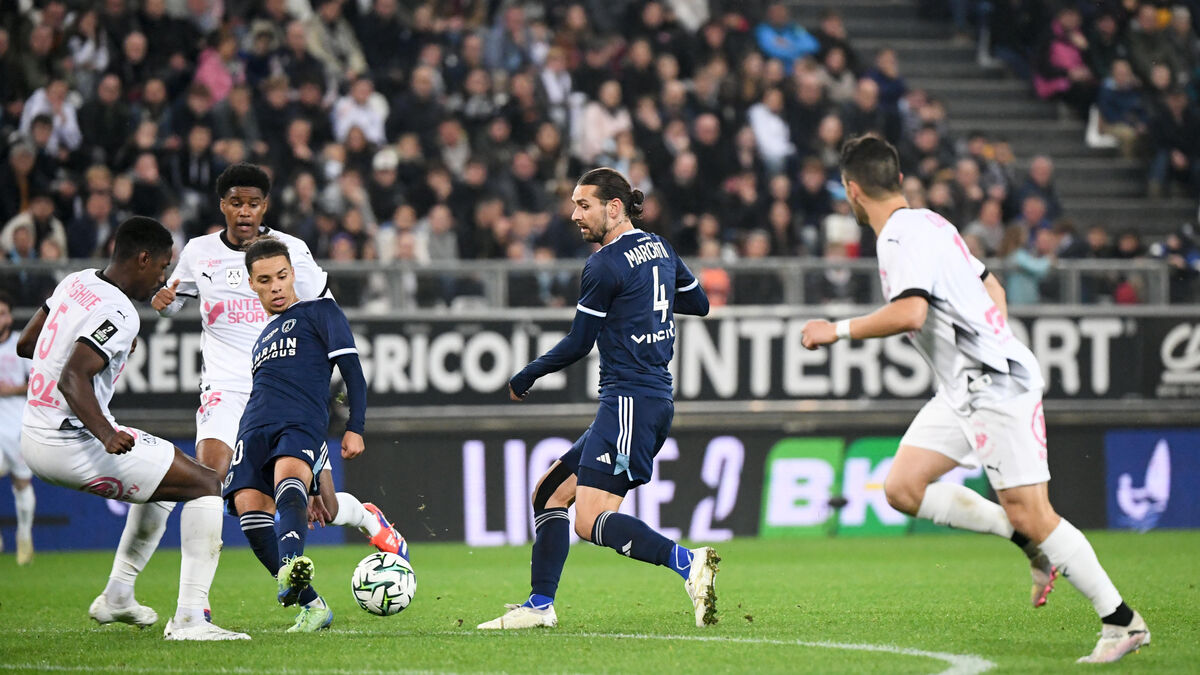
{"x": 838, "y": 605}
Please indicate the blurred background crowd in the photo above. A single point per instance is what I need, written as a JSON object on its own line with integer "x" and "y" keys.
{"x": 416, "y": 132}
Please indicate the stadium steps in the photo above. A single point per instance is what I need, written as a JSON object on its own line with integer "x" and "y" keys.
{"x": 1155, "y": 217}
{"x": 1095, "y": 185}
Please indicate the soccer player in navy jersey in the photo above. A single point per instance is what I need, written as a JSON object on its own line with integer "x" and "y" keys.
{"x": 280, "y": 443}
{"x": 630, "y": 291}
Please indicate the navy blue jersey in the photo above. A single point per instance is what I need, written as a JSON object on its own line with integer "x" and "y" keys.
{"x": 631, "y": 284}
{"x": 293, "y": 362}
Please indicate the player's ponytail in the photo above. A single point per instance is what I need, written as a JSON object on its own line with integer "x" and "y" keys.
{"x": 634, "y": 208}
{"x": 610, "y": 184}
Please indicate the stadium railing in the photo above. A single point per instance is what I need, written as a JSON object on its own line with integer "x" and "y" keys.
{"x": 373, "y": 288}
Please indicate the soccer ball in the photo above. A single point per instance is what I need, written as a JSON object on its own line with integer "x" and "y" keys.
{"x": 383, "y": 584}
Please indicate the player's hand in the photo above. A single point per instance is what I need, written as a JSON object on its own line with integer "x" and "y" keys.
{"x": 352, "y": 445}
{"x": 817, "y": 333}
{"x": 118, "y": 443}
{"x": 317, "y": 513}
{"x": 164, "y": 296}
{"x": 514, "y": 396}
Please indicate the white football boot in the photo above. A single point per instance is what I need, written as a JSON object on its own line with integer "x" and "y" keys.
{"x": 520, "y": 616}
{"x": 134, "y": 615}
{"x": 200, "y": 631}
{"x": 701, "y": 585}
{"x": 1117, "y": 641}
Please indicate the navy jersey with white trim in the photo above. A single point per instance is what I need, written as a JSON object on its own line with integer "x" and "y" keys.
{"x": 293, "y": 361}
{"x": 631, "y": 283}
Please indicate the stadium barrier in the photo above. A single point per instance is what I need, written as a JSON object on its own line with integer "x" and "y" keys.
{"x": 376, "y": 288}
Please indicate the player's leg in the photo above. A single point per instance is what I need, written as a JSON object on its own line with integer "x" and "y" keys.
{"x": 145, "y": 523}
{"x": 296, "y": 458}
{"x": 256, "y": 514}
{"x": 25, "y": 501}
{"x": 553, "y": 495}
{"x": 345, "y": 510}
{"x": 200, "y": 546}
{"x": 619, "y": 456}
{"x": 1123, "y": 630}
{"x": 935, "y": 443}
{"x": 14, "y": 465}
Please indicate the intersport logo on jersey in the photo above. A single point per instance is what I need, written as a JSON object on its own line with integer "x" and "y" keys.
{"x": 239, "y": 310}
{"x": 739, "y": 354}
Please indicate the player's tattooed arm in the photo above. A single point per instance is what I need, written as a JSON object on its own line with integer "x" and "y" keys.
{"x": 76, "y": 387}
{"x": 30, "y": 335}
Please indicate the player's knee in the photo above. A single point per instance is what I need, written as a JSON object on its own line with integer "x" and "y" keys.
{"x": 1035, "y": 521}
{"x": 583, "y": 526}
{"x": 207, "y": 483}
{"x": 902, "y": 495}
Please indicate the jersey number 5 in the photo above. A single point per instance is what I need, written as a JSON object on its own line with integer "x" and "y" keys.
{"x": 661, "y": 304}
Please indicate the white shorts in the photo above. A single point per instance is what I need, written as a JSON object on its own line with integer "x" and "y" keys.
{"x": 1007, "y": 437}
{"x": 220, "y": 415}
{"x": 11, "y": 461}
{"x": 80, "y": 463}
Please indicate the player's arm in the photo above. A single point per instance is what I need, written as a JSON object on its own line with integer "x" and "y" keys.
{"x": 180, "y": 287}
{"x": 598, "y": 287}
{"x": 903, "y": 315}
{"x": 311, "y": 281}
{"x": 577, "y": 344}
{"x": 85, "y": 362}
{"x": 690, "y": 298}
{"x": 911, "y": 279}
{"x": 341, "y": 350}
{"x": 29, "y": 336}
{"x": 995, "y": 291}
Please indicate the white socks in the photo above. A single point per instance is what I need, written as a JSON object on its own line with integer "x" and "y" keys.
{"x": 25, "y": 503}
{"x": 351, "y": 513}
{"x": 1072, "y": 554}
{"x": 200, "y": 544}
{"x": 963, "y": 508}
{"x": 144, "y": 527}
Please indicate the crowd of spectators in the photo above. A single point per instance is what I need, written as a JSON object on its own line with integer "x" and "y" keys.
{"x": 436, "y": 130}
{"x": 1133, "y": 65}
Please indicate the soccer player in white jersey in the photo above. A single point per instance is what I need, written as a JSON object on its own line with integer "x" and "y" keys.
{"x": 14, "y": 381}
{"x": 79, "y": 342}
{"x": 212, "y": 269}
{"x": 988, "y": 406}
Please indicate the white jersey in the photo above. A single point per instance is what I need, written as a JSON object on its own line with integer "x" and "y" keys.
{"x": 89, "y": 309}
{"x": 214, "y": 271}
{"x": 965, "y": 339}
{"x": 14, "y": 371}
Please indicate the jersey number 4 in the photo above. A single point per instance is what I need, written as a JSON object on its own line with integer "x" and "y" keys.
{"x": 661, "y": 304}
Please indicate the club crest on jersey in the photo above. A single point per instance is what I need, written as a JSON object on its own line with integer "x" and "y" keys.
{"x": 289, "y": 325}
{"x": 233, "y": 277}
{"x": 104, "y": 332}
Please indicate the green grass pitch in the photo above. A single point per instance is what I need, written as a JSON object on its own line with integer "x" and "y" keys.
{"x": 956, "y": 595}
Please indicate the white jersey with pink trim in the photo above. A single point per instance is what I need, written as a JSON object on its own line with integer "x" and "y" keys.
{"x": 966, "y": 339}
{"x": 88, "y": 309}
{"x": 213, "y": 270}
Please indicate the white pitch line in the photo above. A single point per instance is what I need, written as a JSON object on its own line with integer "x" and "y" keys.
{"x": 959, "y": 664}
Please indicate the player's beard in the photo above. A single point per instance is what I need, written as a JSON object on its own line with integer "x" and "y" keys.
{"x": 860, "y": 214}
{"x": 596, "y": 236}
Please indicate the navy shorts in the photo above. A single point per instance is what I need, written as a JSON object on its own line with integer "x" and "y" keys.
{"x": 253, "y": 465}
{"x": 616, "y": 453}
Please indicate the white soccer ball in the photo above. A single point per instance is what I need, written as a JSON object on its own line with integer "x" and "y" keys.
{"x": 383, "y": 584}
